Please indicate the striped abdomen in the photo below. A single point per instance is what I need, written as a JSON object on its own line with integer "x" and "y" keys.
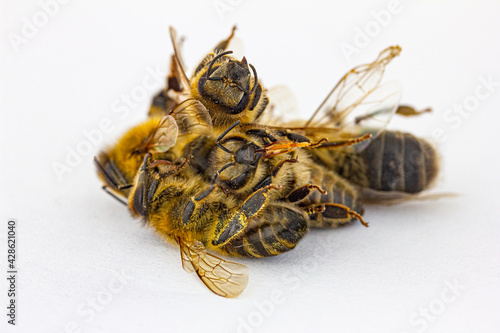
{"x": 275, "y": 230}
{"x": 339, "y": 191}
{"x": 397, "y": 161}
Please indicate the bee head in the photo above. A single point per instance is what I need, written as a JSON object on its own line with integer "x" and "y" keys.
{"x": 226, "y": 83}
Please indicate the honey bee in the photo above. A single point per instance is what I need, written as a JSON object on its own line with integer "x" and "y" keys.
{"x": 228, "y": 88}
{"x": 223, "y": 175}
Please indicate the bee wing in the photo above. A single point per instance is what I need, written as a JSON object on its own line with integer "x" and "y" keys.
{"x": 372, "y": 196}
{"x": 359, "y": 100}
{"x": 281, "y": 108}
{"x": 165, "y": 135}
{"x": 224, "y": 278}
{"x": 177, "y": 65}
{"x": 192, "y": 117}
{"x": 376, "y": 112}
{"x": 230, "y": 43}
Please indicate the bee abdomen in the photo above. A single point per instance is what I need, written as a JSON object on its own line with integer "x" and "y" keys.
{"x": 339, "y": 191}
{"x": 399, "y": 161}
{"x": 277, "y": 229}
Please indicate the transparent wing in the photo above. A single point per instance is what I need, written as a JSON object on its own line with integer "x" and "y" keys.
{"x": 224, "y": 278}
{"x": 178, "y": 63}
{"x": 231, "y": 43}
{"x": 165, "y": 135}
{"x": 282, "y": 106}
{"x": 192, "y": 118}
{"x": 372, "y": 196}
{"x": 359, "y": 99}
{"x": 375, "y": 113}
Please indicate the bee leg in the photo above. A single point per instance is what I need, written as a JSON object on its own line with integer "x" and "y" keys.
{"x": 264, "y": 134}
{"x": 228, "y": 228}
{"x": 302, "y": 192}
{"x": 296, "y": 137}
{"x": 331, "y": 215}
{"x": 276, "y": 229}
{"x": 274, "y": 172}
{"x": 405, "y": 110}
{"x": 341, "y": 143}
{"x": 172, "y": 167}
{"x": 314, "y": 209}
{"x": 278, "y": 166}
{"x": 190, "y": 207}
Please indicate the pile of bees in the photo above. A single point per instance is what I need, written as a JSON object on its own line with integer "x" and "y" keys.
{"x": 215, "y": 169}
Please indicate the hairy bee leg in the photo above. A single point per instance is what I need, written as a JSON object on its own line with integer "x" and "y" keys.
{"x": 314, "y": 209}
{"x": 277, "y": 229}
{"x": 264, "y": 134}
{"x": 174, "y": 167}
{"x": 230, "y": 227}
{"x": 274, "y": 172}
{"x": 190, "y": 207}
{"x": 332, "y": 215}
{"x": 278, "y": 166}
{"x": 346, "y": 142}
{"x": 283, "y": 147}
{"x": 257, "y": 200}
{"x": 302, "y": 192}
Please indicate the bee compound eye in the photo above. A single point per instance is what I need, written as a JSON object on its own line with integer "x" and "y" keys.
{"x": 138, "y": 200}
{"x": 245, "y": 155}
{"x": 188, "y": 212}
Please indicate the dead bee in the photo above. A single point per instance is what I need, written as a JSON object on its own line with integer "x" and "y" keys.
{"x": 255, "y": 192}
{"x": 227, "y": 87}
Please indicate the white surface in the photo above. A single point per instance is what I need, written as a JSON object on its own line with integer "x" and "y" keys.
{"x": 73, "y": 237}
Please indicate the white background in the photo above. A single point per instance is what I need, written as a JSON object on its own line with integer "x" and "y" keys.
{"x": 73, "y": 239}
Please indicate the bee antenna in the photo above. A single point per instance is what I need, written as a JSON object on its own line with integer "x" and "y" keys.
{"x": 212, "y": 182}
{"x": 240, "y": 88}
{"x": 120, "y": 200}
{"x": 256, "y": 79}
{"x": 224, "y": 134}
{"x": 217, "y": 57}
